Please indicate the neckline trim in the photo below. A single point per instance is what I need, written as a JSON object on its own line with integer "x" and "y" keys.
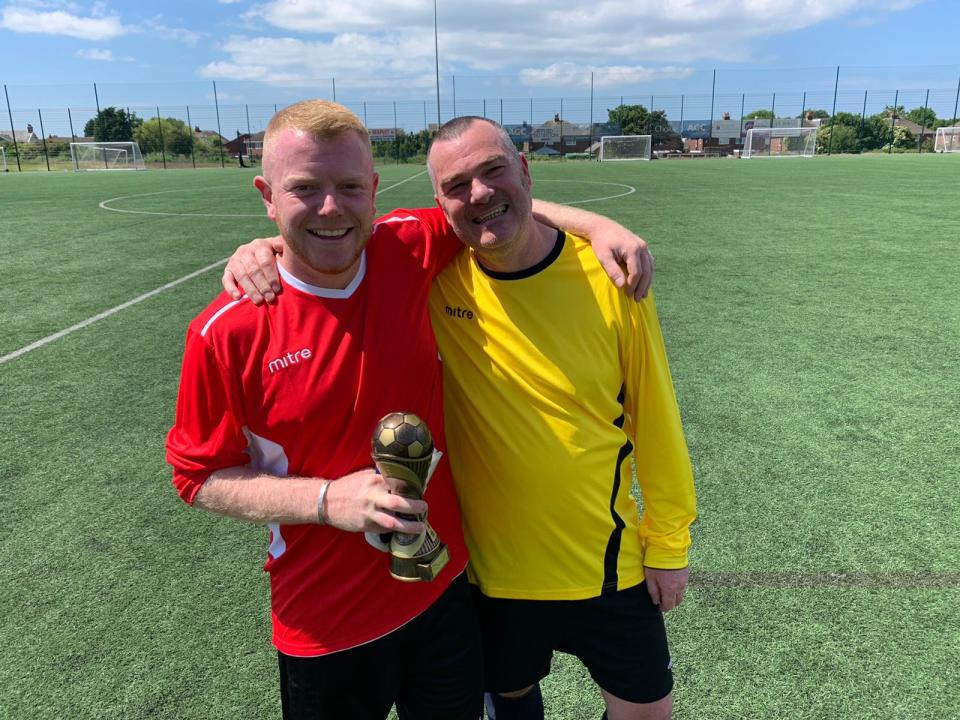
{"x": 533, "y": 269}
{"x": 334, "y": 293}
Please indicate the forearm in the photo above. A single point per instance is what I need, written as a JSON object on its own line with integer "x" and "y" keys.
{"x": 573, "y": 220}
{"x": 245, "y": 494}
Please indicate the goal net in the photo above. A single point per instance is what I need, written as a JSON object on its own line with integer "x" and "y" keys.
{"x": 3, "y": 160}
{"x": 106, "y": 156}
{"x": 625, "y": 147}
{"x": 780, "y": 142}
{"x": 947, "y": 140}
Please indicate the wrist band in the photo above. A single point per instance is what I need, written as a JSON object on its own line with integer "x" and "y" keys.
{"x": 321, "y": 501}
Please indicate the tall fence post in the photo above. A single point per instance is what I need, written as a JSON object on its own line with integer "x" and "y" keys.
{"x": 163, "y": 148}
{"x": 247, "y": 108}
{"x": 923, "y": 123}
{"x": 833, "y": 115}
{"x": 743, "y": 105}
{"x": 454, "y": 79}
{"x": 531, "y": 117}
{"x": 863, "y": 115}
{"x": 216, "y": 104}
{"x": 590, "y": 146}
{"x": 501, "y": 112}
{"x": 13, "y": 133}
{"x": 773, "y": 109}
{"x": 193, "y": 157}
{"x": 803, "y": 108}
{"x": 562, "y": 153}
{"x": 681, "y": 122}
{"x": 713, "y": 94}
{"x": 73, "y": 135}
{"x": 396, "y": 135}
{"x": 893, "y": 121}
{"x": 365, "y": 123}
{"x": 484, "y": 107}
{"x": 96, "y": 124}
{"x": 333, "y": 80}
{"x": 43, "y": 137}
{"x": 955, "y": 102}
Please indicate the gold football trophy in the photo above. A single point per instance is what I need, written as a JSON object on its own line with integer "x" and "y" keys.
{"x": 403, "y": 452}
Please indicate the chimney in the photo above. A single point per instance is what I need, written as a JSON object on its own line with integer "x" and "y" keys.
{"x": 29, "y": 128}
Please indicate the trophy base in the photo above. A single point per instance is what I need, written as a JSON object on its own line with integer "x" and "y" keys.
{"x": 419, "y": 569}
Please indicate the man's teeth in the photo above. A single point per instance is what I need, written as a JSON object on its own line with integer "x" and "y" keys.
{"x": 340, "y": 232}
{"x": 491, "y": 215}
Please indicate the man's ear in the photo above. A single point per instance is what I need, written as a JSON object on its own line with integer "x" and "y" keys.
{"x": 526, "y": 171}
{"x": 373, "y": 193}
{"x": 266, "y": 194}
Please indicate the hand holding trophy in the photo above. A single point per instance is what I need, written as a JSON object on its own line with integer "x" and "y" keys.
{"x": 403, "y": 452}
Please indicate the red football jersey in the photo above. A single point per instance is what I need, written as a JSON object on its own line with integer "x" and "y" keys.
{"x": 297, "y": 388}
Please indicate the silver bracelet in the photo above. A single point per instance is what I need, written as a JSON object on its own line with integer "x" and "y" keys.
{"x": 321, "y": 501}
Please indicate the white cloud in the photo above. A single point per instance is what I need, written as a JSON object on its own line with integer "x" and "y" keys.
{"x": 101, "y": 55}
{"x": 95, "y": 54}
{"x": 155, "y": 26}
{"x": 60, "y": 22}
{"x": 621, "y": 41}
{"x": 571, "y": 75}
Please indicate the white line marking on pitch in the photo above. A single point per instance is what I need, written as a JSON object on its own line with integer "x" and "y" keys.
{"x": 105, "y": 205}
{"x": 107, "y": 313}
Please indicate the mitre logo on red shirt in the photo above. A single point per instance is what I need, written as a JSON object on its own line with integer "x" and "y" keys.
{"x": 288, "y": 359}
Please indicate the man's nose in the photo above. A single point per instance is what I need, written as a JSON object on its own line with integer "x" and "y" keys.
{"x": 329, "y": 205}
{"x": 480, "y": 192}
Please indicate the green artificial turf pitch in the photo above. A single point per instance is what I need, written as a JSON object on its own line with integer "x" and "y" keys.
{"x": 812, "y": 316}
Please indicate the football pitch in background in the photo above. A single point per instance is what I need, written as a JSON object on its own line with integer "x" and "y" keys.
{"x": 811, "y": 310}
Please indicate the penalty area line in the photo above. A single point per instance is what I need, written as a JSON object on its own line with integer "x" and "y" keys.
{"x": 107, "y": 313}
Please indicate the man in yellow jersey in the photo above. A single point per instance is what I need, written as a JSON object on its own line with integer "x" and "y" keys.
{"x": 554, "y": 380}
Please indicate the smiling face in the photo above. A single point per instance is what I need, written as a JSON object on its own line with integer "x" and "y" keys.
{"x": 321, "y": 193}
{"x": 483, "y": 188}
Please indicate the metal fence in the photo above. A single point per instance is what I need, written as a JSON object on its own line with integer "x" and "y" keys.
{"x": 64, "y": 112}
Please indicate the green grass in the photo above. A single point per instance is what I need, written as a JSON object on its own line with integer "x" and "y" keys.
{"x": 812, "y": 317}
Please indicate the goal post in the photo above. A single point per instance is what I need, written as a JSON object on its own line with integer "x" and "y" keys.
{"x": 780, "y": 142}
{"x": 106, "y": 156}
{"x": 3, "y": 160}
{"x": 947, "y": 140}
{"x": 625, "y": 147}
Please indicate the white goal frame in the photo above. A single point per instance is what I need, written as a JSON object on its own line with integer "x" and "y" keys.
{"x": 806, "y": 136}
{"x": 947, "y": 140}
{"x": 606, "y": 140}
{"x": 106, "y": 156}
{"x": 3, "y": 160}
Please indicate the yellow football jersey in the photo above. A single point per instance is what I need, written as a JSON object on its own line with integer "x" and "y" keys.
{"x": 553, "y": 380}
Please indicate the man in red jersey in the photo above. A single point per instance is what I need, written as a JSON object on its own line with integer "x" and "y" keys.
{"x": 273, "y": 424}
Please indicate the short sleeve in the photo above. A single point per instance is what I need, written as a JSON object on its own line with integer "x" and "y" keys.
{"x": 207, "y": 434}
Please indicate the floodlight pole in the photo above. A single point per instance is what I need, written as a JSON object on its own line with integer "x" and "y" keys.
{"x": 13, "y": 133}
{"x": 436, "y": 59}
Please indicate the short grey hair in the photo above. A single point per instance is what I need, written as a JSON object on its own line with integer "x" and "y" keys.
{"x": 452, "y": 129}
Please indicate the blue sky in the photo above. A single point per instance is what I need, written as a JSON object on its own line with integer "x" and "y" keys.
{"x": 51, "y": 51}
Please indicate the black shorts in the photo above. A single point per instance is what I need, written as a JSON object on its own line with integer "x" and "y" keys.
{"x": 431, "y": 668}
{"x": 619, "y": 637}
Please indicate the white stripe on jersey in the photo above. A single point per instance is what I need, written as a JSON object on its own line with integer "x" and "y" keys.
{"x": 221, "y": 311}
